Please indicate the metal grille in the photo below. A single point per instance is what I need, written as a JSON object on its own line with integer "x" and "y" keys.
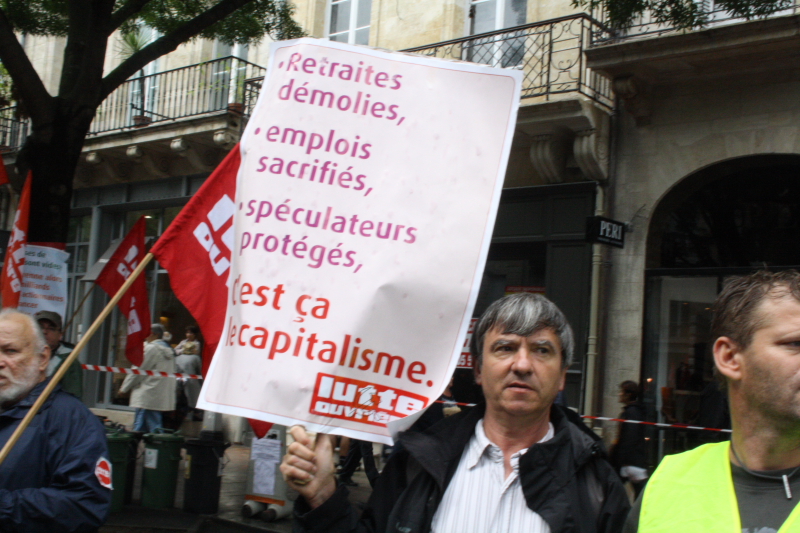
{"x": 13, "y": 130}
{"x": 550, "y": 54}
{"x": 179, "y": 93}
{"x": 208, "y": 87}
{"x": 252, "y": 88}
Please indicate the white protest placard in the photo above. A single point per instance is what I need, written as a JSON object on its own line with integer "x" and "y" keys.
{"x": 365, "y": 204}
{"x": 44, "y": 280}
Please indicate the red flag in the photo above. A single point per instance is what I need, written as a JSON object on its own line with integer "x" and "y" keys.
{"x": 134, "y": 304}
{"x": 11, "y": 278}
{"x": 196, "y": 250}
{"x": 3, "y": 173}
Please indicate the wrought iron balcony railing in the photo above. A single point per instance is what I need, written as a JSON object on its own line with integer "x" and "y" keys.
{"x": 183, "y": 92}
{"x": 550, "y": 54}
{"x": 213, "y": 86}
{"x": 712, "y": 16}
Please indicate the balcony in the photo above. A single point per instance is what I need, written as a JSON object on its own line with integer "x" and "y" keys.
{"x": 712, "y": 17}
{"x": 650, "y": 59}
{"x": 183, "y": 93}
{"x": 550, "y": 54}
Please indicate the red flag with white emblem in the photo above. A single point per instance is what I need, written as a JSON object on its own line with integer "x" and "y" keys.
{"x": 134, "y": 304}
{"x": 196, "y": 250}
{"x": 11, "y": 278}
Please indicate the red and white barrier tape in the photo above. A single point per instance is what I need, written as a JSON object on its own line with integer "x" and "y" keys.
{"x": 606, "y": 419}
{"x": 659, "y": 424}
{"x": 137, "y": 371}
{"x": 194, "y": 376}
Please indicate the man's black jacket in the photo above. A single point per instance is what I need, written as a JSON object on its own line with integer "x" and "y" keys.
{"x": 566, "y": 480}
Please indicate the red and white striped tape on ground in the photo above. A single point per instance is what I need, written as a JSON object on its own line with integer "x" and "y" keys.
{"x": 605, "y": 419}
{"x": 194, "y": 376}
{"x": 137, "y": 371}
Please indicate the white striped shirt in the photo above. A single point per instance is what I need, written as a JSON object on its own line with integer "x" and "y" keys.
{"x": 480, "y": 500}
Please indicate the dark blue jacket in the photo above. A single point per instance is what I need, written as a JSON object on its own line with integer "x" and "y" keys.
{"x": 48, "y": 482}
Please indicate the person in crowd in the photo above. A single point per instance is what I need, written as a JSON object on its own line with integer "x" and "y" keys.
{"x": 152, "y": 395}
{"x": 513, "y": 463}
{"x": 188, "y": 361}
{"x": 58, "y": 476}
{"x": 191, "y": 344}
{"x": 752, "y": 482}
{"x": 359, "y": 450}
{"x": 628, "y": 453}
{"x": 446, "y": 405}
{"x": 51, "y": 325}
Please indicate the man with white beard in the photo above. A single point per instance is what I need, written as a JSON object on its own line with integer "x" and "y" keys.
{"x": 58, "y": 476}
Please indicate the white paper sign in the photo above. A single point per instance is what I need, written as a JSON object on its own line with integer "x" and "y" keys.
{"x": 266, "y": 454}
{"x": 366, "y": 200}
{"x": 44, "y": 280}
{"x": 150, "y": 458}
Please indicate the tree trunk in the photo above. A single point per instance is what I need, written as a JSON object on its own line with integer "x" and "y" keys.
{"x": 52, "y": 153}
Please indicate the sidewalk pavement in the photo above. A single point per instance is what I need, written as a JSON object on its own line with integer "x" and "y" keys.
{"x": 137, "y": 519}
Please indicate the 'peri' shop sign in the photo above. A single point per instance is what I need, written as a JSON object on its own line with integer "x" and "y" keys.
{"x": 365, "y": 203}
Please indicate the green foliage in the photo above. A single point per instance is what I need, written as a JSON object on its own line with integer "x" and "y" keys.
{"x": 6, "y": 88}
{"x": 133, "y": 41}
{"x": 37, "y": 17}
{"x": 247, "y": 25}
{"x": 680, "y": 14}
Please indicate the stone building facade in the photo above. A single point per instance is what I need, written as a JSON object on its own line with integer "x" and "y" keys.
{"x": 643, "y": 128}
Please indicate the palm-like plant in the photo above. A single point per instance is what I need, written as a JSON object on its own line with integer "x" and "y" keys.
{"x": 132, "y": 41}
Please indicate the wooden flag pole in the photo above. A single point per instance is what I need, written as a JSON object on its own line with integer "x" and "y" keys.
{"x": 78, "y": 309}
{"x": 71, "y": 358}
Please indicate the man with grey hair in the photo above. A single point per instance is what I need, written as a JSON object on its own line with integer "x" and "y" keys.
{"x": 516, "y": 463}
{"x": 58, "y": 476}
{"x": 152, "y": 395}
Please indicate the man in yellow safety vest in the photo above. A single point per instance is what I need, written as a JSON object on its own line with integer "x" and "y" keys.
{"x": 752, "y": 483}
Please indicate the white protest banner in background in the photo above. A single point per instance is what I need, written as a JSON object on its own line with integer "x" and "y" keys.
{"x": 365, "y": 204}
{"x": 44, "y": 280}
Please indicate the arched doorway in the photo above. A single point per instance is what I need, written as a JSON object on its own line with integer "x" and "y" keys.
{"x": 727, "y": 219}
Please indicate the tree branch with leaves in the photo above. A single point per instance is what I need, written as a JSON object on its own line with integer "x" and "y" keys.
{"x": 680, "y": 14}
{"x": 61, "y": 121}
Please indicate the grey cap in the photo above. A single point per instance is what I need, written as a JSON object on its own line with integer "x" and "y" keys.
{"x": 55, "y": 318}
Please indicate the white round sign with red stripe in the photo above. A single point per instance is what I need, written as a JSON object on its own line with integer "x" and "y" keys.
{"x": 102, "y": 471}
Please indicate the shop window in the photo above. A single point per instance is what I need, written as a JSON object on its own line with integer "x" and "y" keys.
{"x": 165, "y": 308}
{"x": 78, "y": 237}
{"x": 742, "y": 220}
{"x": 728, "y": 219}
{"x": 510, "y": 268}
{"x": 349, "y": 21}
{"x": 680, "y": 385}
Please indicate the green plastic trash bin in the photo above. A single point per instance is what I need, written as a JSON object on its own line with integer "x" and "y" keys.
{"x": 118, "y": 450}
{"x": 162, "y": 455}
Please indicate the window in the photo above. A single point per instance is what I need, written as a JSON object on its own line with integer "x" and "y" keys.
{"x": 78, "y": 248}
{"x": 491, "y": 15}
{"x": 165, "y": 308}
{"x": 349, "y": 21}
{"x": 228, "y": 72}
{"x": 144, "y": 92}
{"x": 504, "y": 50}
